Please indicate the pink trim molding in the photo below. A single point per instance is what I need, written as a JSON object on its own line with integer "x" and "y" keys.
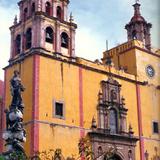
{"x": 35, "y": 108}
{"x": 82, "y": 133}
{"x": 2, "y": 127}
{"x": 139, "y": 112}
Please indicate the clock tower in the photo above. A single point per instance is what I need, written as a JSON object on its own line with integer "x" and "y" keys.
{"x": 137, "y": 56}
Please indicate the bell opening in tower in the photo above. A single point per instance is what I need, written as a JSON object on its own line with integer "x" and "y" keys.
{"x": 48, "y": 8}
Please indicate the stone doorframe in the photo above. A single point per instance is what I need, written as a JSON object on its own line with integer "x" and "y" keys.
{"x": 121, "y": 145}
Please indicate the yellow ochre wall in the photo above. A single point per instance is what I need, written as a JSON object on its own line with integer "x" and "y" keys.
{"x": 59, "y": 81}
{"x": 143, "y": 60}
{"x": 27, "y": 81}
{"x": 150, "y": 106}
{"x": 136, "y": 58}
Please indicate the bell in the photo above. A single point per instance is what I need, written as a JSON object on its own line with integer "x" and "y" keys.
{"x": 48, "y": 36}
{"x": 63, "y": 41}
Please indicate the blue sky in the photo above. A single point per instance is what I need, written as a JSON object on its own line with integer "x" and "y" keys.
{"x": 98, "y": 21}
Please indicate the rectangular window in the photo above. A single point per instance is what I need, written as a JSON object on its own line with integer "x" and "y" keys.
{"x": 155, "y": 127}
{"x": 58, "y": 109}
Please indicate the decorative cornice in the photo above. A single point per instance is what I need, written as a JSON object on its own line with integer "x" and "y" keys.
{"x": 55, "y": 18}
{"x": 142, "y": 49}
{"x": 40, "y": 13}
{"x": 72, "y": 60}
{"x": 113, "y": 136}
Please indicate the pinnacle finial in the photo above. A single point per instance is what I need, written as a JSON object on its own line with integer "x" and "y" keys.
{"x": 137, "y": 1}
{"x": 15, "y": 20}
{"x": 71, "y": 18}
{"x": 137, "y": 8}
{"x": 130, "y": 129}
{"x": 94, "y": 125}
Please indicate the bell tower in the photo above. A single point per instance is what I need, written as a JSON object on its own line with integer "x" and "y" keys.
{"x": 43, "y": 26}
{"x": 138, "y": 28}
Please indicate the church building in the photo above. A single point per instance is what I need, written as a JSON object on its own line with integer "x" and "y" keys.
{"x": 114, "y": 102}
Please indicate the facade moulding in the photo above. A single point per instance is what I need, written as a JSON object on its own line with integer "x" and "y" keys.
{"x": 40, "y": 13}
{"x": 141, "y": 49}
{"x": 56, "y": 19}
{"x": 40, "y": 51}
{"x": 35, "y": 107}
{"x": 103, "y": 135}
{"x": 56, "y": 124}
{"x": 81, "y": 116}
{"x": 125, "y": 47}
{"x": 140, "y": 124}
{"x": 76, "y": 127}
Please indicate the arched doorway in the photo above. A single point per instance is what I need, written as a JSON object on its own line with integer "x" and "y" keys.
{"x": 114, "y": 157}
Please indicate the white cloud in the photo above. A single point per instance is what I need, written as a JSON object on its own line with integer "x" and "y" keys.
{"x": 6, "y": 16}
{"x": 97, "y": 22}
{"x": 88, "y": 44}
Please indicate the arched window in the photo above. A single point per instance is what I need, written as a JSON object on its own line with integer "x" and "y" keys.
{"x": 28, "y": 38}
{"x": 25, "y": 13}
{"x": 113, "y": 121}
{"x": 64, "y": 40}
{"x": 33, "y": 8}
{"x": 112, "y": 157}
{"x": 49, "y": 35}
{"x": 134, "y": 34}
{"x": 100, "y": 151}
{"x": 48, "y": 8}
{"x": 18, "y": 44}
{"x": 59, "y": 12}
{"x": 113, "y": 95}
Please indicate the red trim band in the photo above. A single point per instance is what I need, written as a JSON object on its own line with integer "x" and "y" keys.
{"x": 81, "y": 102}
{"x": 2, "y": 113}
{"x": 81, "y": 118}
{"x": 140, "y": 122}
{"x": 35, "y": 108}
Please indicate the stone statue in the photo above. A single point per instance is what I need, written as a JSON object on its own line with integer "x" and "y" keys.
{"x": 16, "y": 89}
{"x": 15, "y": 133}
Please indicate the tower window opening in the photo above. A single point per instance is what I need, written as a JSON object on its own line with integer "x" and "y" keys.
{"x": 64, "y": 40}
{"x": 113, "y": 95}
{"x": 155, "y": 127}
{"x": 29, "y": 38}
{"x": 18, "y": 44}
{"x": 59, "y": 12}
{"x": 100, "y": 151}
{"x": 33, "y": 8}
{"x": 25, "y": 13}
{"x": 113, "y": 121}
{"x": 59, "y": 109}
{"x": 49, "y": 35}
{"x": 48, "y": 8}
{"x": 134, "y": 35}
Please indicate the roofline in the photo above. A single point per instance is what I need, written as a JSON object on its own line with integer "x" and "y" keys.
{"x": 73, "y": 62}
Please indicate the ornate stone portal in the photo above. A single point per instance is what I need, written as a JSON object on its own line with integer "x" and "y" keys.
{"x": 110, "y": 139}
{"x": 15, "y": 133}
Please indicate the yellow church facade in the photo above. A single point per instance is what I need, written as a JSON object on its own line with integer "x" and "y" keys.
{"x": 115, "y": 102}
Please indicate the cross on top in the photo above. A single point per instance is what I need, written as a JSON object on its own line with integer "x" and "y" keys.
{"x": 137, "y": 1}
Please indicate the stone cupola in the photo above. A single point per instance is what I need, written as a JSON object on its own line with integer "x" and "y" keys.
{"x": 138, "y": 28}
